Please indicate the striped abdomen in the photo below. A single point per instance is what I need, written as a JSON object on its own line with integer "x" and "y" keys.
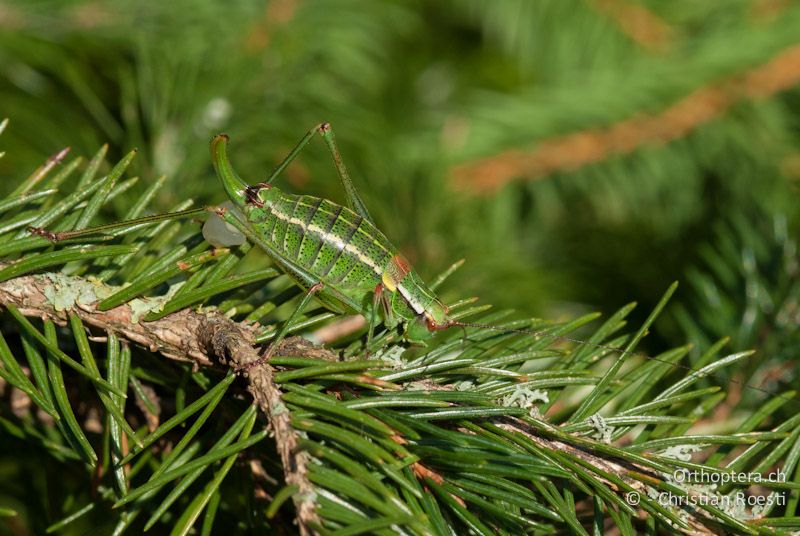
{"x": 342, "y": 250}
{"x": 332, "y": 242}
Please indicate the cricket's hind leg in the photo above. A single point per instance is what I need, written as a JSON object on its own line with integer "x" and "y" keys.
{"x": 353, "y": 198}
{"x": 326, "y": 132}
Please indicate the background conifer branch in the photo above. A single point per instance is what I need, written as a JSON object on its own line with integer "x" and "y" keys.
{"x": 484, "y": 432}
{"x": 572, "y": 151}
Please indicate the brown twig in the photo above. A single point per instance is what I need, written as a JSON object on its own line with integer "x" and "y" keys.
{"x": 202, "y": 338}
{"x": 766, "y": 11}
{"x": 573, "y": 151}
{"x": 199, "y": 338}
{"x": 640, "y": 24}
{"x": 229, "y": 340}
{"x": 696, "y": 519}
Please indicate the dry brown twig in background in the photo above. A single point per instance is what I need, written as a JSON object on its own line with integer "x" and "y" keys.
{"x": 573, "y": 151}
{"x": 640, "y": 24}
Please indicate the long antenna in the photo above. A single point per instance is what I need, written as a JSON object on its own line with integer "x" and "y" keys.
{"x": 616, "y": 350}
{"x": 57, "y": 236}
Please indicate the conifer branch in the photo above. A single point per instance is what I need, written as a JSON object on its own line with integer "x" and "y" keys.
{"x": 593, "y": 145}
{"x": 189, "y": 336}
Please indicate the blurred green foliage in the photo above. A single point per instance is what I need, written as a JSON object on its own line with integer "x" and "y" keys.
{"x": 414, "y": 88}
{"x": 418, "y": 90}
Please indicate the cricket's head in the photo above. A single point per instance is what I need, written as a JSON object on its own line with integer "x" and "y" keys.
{"x": 240, "y": 193}
{"x": 235, "y": 187}
{"x": 435, "y": 317}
